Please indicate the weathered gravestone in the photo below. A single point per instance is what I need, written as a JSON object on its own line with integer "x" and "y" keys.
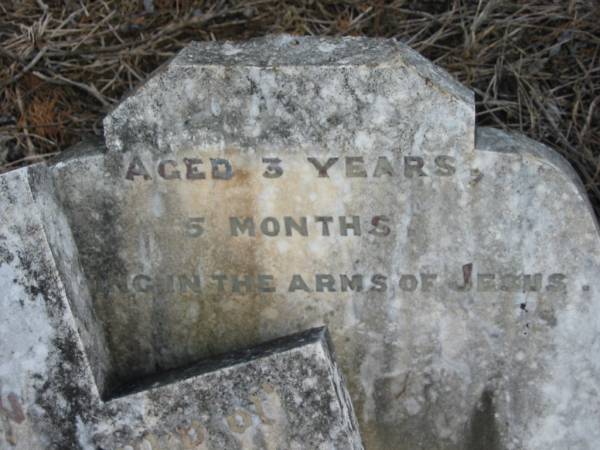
{"x": 252, "y": 190}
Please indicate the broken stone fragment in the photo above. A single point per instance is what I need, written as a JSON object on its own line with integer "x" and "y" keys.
{"x": 284, "y": 394}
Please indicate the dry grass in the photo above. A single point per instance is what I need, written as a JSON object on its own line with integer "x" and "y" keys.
{"x": 535, "y": 65}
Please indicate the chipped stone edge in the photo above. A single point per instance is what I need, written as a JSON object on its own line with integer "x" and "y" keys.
{"x": 81, "y": 150}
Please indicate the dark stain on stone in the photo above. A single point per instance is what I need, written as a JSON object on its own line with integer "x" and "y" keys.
{"x": 476, "y": 175}
{"x": 6, "y": 257}
{"x": 132, "y": 132}
{"x": 548, "y": 316}
{"x": 253, "y": 88}
{"x": 63, "y": 382}
{"x": 94, "y": 224}
{"x": 40, "y": 275}
{"x": 6, "y": 191}
{"x": 483, "y": 432}
{"x": 467, "y": 273}
{"x": 63, "y": 385}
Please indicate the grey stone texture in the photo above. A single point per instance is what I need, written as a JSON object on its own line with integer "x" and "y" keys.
{"x": 285, "y": 394}
{"x": 253, "y": 190}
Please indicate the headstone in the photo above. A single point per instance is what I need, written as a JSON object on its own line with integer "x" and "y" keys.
{"x": 252, "y": 190}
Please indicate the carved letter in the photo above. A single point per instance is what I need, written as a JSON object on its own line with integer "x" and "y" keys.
{"x": 238, "y": 227}
{"x": 137, "y": 169}
{"x": 274, "y": 170}
{"x": 355, "y": 167}
{"x": 383, "y": 167}
{"x": 298, "y": 283}
{"x": 162, "y": 170}
{"x": 322, "y": 169}
{"x": 239, "y": 426}
{"x": 192, "y": 172}
{"x": 217, "y": 174}
{"x": 260, "y": 411}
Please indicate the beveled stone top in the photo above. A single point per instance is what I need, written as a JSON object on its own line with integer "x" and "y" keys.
{"x": 297, "y": 93}
{"x": 286, "y": 50}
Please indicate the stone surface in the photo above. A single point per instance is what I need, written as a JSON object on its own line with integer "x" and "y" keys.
{"x": 297, "y": 94}
{"x": 253, "y": 190}
{"x": 286, "y": 394}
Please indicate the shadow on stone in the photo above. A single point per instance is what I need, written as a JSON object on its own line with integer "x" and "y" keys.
{"x": 483, "y": 433}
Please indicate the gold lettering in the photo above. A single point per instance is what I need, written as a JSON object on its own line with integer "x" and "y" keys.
{"x": 239, "y": 426}
{"x": 256, "y": 401}
{"x": 192, "y": 436}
